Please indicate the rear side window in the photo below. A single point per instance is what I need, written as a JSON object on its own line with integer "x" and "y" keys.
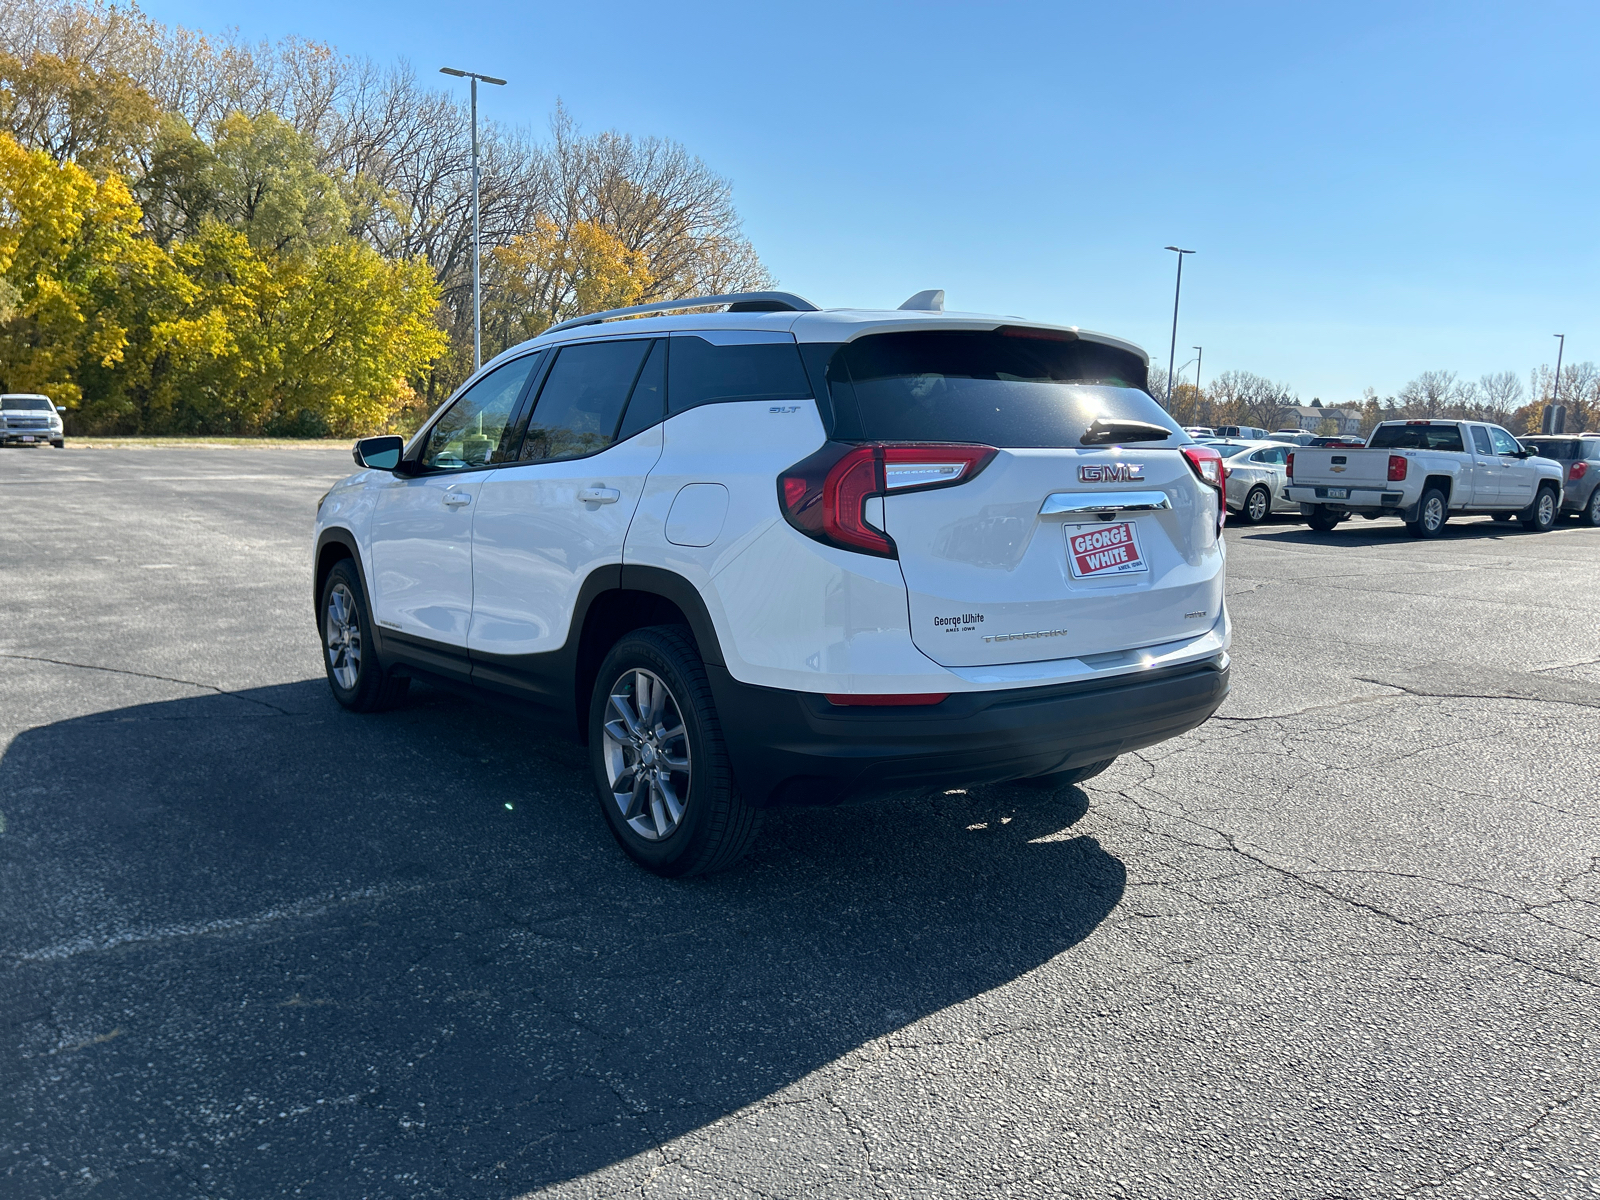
{"x": 581, "y": 402}
{"x": 1417, "y": 437}
{"x": 1480, "y": 440}
{"x": 1591, "y": 447}
{"x": 1002, "y": 389}
{"x": 701, "y": 372}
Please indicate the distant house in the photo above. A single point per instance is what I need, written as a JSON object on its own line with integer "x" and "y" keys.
{"x": 1311, "y": 417}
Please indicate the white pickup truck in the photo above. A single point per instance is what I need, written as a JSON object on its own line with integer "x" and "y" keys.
{"x": 1421, "y": 472}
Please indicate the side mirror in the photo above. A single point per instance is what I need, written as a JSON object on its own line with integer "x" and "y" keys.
{"x": 379, "y": 453}
{"x": 61, "y": 408}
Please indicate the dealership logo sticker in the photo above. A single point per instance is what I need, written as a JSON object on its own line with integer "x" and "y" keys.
{"x": 1108, "y": 549}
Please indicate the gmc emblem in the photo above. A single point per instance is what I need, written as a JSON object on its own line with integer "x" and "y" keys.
{"x": 1111, "y": 472}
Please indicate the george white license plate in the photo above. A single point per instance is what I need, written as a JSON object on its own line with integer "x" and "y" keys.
{"x": 1338, "y": 493}
{"x": 1104, "y": 548}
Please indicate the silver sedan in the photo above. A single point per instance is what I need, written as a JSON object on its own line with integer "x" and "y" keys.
{"x": 1257, "y": 474}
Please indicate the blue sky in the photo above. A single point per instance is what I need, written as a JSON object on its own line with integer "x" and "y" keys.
{"x": 1373, "y": 190}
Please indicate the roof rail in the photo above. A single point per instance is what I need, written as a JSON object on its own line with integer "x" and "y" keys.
{"x": 737, "y": 302}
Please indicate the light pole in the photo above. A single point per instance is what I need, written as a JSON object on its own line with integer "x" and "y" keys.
{"x": 1561, "y": 346}
{"x": 477, "y": 248}
{"x": 1177, "y": 291}
{"x": 1199, "y": 361}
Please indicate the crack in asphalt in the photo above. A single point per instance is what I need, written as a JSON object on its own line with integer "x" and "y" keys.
{"x": 1426, "y": 694}
{"x": 1231, "y": 845}
{"x": 1498, "y": 1148}
{"x": 205, "y": 687}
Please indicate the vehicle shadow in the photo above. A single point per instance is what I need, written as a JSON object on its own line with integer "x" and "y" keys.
{"x": 255, "y": 943}
{"x": 1384, "y": 529}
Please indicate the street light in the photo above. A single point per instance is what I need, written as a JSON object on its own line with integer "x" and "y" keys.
{"x": 1199, "y": 361}
{"x": 477, "y": 248}
{"x": 1172, "y": 352}
{"x": 1561, "y": 346}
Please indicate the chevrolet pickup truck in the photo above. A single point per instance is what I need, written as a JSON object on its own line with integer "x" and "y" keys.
{"x": 1424, "y": 471}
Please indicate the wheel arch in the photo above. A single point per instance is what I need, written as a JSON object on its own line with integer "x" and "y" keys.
{"x": 641, "y": 597}
{"x": 1442, "y": 482}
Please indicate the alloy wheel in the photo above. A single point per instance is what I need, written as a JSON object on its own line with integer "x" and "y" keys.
{"x": 1258, "y": 505}
{"x": 1594, "y": 507}
{"x": 1433, "y": 513}
{"x": 343, "y": 636}
{"x": 1546, "y": 512}
{"x": 646, "y": 754}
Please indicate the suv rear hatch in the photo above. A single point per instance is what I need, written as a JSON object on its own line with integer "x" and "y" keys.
{"x": 1051, "y": 548}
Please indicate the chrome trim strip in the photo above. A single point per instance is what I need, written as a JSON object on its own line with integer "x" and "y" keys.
{"x": 1098, "y": 502}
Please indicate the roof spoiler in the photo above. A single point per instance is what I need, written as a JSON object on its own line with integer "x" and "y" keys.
{"x": 736, "y": 302}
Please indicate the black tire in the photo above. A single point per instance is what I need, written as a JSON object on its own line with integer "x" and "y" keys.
{"x": 1258, "y": 499}
{"x": 1323, "y": 520}
{"x": 358, "y": 680}
{"x": 61, "y": 445}
{"x": 1070, "y": 776}
{"x": 715, "y": 826}
{"x": 1591, "y": 511}
{"x": 1433, "y": 510}
{"x": 1540, "y": 516}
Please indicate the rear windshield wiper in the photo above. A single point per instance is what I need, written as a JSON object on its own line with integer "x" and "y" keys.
{"x": 1102, "y": 432}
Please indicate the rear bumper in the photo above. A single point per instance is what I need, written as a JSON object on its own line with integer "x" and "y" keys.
{"x": 795, "y": 747}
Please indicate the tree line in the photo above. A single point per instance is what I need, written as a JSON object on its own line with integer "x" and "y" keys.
{"x": 1244, "y": 398}
{"x": 204, "y": 235}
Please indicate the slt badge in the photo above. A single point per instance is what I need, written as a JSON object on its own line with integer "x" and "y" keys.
{"x": 1111, "y": 472}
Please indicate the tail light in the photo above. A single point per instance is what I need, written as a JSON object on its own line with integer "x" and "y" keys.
{"x": 1577, "y": 470}
{"x": 1206, "y": 464}
{"x": 1288, "y": 466}
{"x": 825, "y": 495}
{"x": 1397, "y": 468}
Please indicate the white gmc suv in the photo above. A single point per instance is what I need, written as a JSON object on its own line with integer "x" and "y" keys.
{"x": 772, "y": 554}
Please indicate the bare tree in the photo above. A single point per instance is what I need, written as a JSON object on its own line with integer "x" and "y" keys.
{"x": 1500, "y": 394}
{"x": 1430, "y": 394}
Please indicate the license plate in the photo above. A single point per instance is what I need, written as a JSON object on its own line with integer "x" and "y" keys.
{"x": 1338, "y": 493}
{"x": 27, "y": 438}
{"x": 1104, "y": 548}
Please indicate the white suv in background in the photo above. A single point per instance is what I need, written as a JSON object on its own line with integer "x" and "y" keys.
{"x": 773, "y": 554}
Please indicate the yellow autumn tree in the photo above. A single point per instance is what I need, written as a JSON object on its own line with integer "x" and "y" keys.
{"x": 75, "y": 273}
{"x": 546, "y": 276}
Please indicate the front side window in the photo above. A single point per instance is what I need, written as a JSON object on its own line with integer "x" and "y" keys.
{"x": 1015, "y": 389}
{"x": 1504, "y": 443}
{"x": 472, "y": 429}
{"x": 581, "y": 403}
{"x": 1553, "y": 448}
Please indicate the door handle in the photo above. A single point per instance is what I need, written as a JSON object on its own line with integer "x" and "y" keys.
{"x": 600, "y": 495}
{"x": 457, "y": 499}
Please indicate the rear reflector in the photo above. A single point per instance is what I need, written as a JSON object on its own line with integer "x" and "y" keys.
{"x": 867, "y": 700}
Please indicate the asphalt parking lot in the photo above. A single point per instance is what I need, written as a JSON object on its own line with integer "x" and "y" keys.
{"x": 1342, "y": 941}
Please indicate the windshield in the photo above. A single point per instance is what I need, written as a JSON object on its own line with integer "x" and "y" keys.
{"x": 1014, "y": 388}
{"x": 1416, "y": 437}
{"x": 27, "y": 403}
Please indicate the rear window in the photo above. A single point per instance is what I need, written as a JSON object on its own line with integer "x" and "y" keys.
{"x": 1553, "y": 448}
{"x": 1416, "y": 437}
{"x": 997, "y": 388}
{"x": 699, "y": 372}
